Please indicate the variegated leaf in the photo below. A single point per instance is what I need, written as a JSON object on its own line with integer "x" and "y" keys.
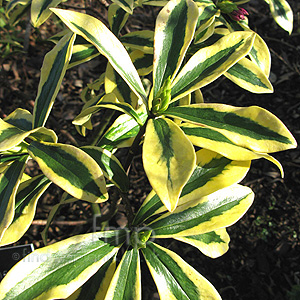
{"x": 17, "y": 14}
{"x": 95, "y": 32}
{"x": 40, "y": 10}
{"x": 57, "y": 270}
{"x": 251, "y": 127}
{"x": 207, "y": 13}
{"x": 26, "y": 199}
{"x": 205, "y": 34}
{"x": 220, "y": 209}
{"x": 17, "y": 126}
{"x": 282, "y": 14}
{"x": 127, "y": 5}
{"x": 155, "y": 2}
{"x": 126, "y": 282}
{"x": 20, "y": 118}
{"x": 139, "y": 40}
{"x": 174, "y": 31}
{"x": 71, "y": 169}
{"x": 10, "y": 136}
{"x": 53, "y": 70}
{"x": 117, "y": 18}
{"x": 82, "y": 53}
{"x": 259, "y": 53}
{"x": 249, "y": 76}
{"x": 115, "y": 84}
{"x": 213, "y": 244}
{"x": 10, "y": 5}
{"x": 122, "y": 132}
{"x": 9, "y": 182}
{"x": 211, "y": 62}
{"x": 213, "y": 172}
{"x": 96, "y": 287}
{"x": 196, "y": 97}
{"x": 109, "y": 101}
{"x": 168, "y": 158}
{"x": 213, "y": 140}
{"x": 143, "y": 62}
{"x": 174, "y": 278}
{"x": 110, "y": 166}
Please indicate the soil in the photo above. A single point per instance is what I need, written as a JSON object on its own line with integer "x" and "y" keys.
{"x": 263, "y": 261}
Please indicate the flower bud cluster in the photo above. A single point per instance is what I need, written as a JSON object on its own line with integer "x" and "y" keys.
{"x": 235, "y": 12}
{"x": 239, "y": 14}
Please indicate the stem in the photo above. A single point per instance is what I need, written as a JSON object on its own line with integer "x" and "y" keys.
{"x": 134, "y": 147}
{"x": 108, "y": 116}
{"x": 132, "y": 151}
{"x": 96, "y": 209}
{"x": 128, "y": 208}
{"x": 115, "y": 201}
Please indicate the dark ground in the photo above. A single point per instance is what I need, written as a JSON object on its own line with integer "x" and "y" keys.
{"x": 263, "y": 261}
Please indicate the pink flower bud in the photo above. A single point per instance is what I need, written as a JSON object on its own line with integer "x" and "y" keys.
{"x": 238, "y": 15}
{"x": 243, "y": 11}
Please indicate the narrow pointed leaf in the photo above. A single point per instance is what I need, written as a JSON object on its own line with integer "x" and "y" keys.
{"x": 10, "y": 5}
{"x": 23, "y": 119}
{"x": 207, "y": 13}
{"x": 53, "y": 70}
{"x": 220, "y": 209}
{"x": 17, "y": 15}
{"x": 7, "y": 159}
{"x": 126, "y": 282}
{"x": 249, "y": 76}
{"x": 96, "y": 287}
{"x": 82, "y": 53}
{"x": 127, "y": 5}
{"x": 26, "y": 199}
{"x": 11, "y": 136}
{"x": 176, "y": 279}
{"x": 110, "y": 166}
{"x": 259, "y": 53}
{"x": 20, "y": 118}
{"x": 117, "y": 18}
{"x": 213, "y": 244}
{"x": 122, "y": 132}
{"x": 155, "y": 2}
{"x": 174, "y": 31}
{"x": 107, "y": 101}
{"x": 43, "y": 134}
{"x": 139, "y": 40}
{"x": 95, "y": 32}
{"x": 215, "y": 141}
{"x": 71, "y": 169}
{"x": 211, "y": 62}
{"x": 168, "y": 158}
{"x": 251, "y": 127}
{"x": 205, "y": 34}
{"x": 197, "y": 97}
{"x": 282, "y": 14}
{"x": 56, "y": 271}
{"x": 143, "y": 62}
{"x": 9, "y": 182}
{"x": 40, "y": 10}
{"x": 115, "y": 84}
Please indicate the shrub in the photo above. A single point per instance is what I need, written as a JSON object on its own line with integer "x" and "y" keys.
{"x": 194, "y": 153}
